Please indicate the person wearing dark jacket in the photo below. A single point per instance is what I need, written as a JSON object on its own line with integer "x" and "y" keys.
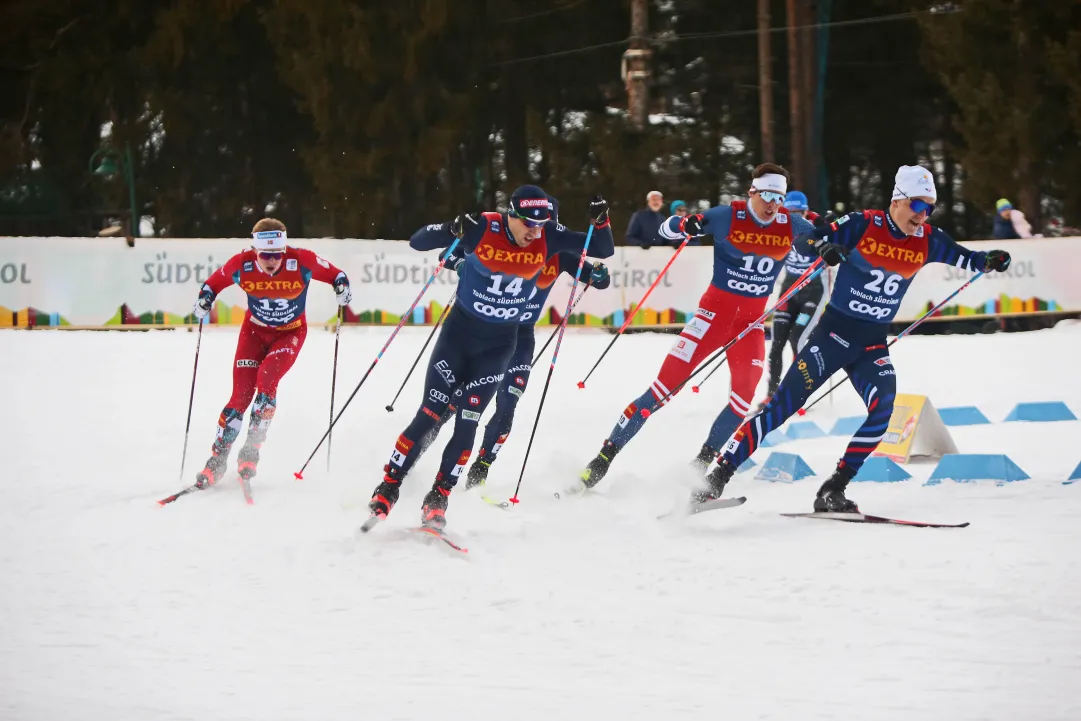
{"x": 645, "y": 224}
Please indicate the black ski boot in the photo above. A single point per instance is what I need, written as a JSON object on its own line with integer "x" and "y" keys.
{"x": 215, "y": 469}
{"x": 705, "y": 457}
{"x": 831, "y": 496}
{"x": 247, "y": 460}
{"x": 478, "y": 472}
{"x": 386, "y": 493}
{"x": 715, "y": 483}
{"x": 433, "y": 514}
{"x": 598, "y": 467}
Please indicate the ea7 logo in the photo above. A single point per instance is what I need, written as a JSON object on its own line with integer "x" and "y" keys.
{"x": 247, "y": 363}
{"x": 444, "y": 370}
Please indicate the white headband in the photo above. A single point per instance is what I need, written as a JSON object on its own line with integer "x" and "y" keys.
{"x": 771, "y": 181}
{"x": 269, "y": 240}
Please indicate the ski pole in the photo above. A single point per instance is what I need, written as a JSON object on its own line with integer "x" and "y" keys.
{"x": 808, "y": 275}
{"x": 902, "y": 334}
{"x": 556, "y": 329}
{"x": 438, "y": 322}
{"x": 555, "y": 357}
{"x": 431, "y": 278}
{"x": 191, "y": 397}
{"x": 633, "y": 313}
{"x": 695, "y": 389}
{"x": 334, "y": 376}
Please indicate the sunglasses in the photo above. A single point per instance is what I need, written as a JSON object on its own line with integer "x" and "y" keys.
{"x": 919, "y": 206}
{"x": 771, "y": 196}
{"x": 270, "y": 255}
{"x": 532, "y": 223}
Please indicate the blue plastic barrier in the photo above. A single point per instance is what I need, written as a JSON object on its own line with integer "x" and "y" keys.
{"x": 881, "y": 470}
{"x": 784, "y": 468}
{"x": 962, "y": 416}
{"x": 967, "y": 467}
{"x": 1041, "y": 412}
{"x": 774, "y": 438}
{"x": 804, "y": 429}
{"x": 847, "y": 426}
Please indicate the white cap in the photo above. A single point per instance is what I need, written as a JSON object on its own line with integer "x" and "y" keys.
{"x": 771, "y": 181}
{"x": 913, "y": 181}
{"x": 269, "y": 240}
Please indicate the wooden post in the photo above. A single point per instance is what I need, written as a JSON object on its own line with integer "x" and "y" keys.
{"x": 765, "y": 82}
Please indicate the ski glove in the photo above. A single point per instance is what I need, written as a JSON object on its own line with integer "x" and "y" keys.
{"x": 342, "y": 290}
{"x": 598, "y": 211}
{"x": 996, "y": 260}
{"x": 202, "y": 306}
{"x": 692, "y": 225}
{"x": 600, "y": 278}
{"x": 832, "y": 253}
{"x": 454, "y": 261}
{"x": 464, "y": 223}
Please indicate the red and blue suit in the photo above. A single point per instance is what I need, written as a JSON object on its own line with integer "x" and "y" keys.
{"x": 881, "y": 262}
{"x": 270, "y": 340}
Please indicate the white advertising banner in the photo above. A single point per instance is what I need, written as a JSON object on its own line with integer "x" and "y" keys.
{"x": 103, "y": 281}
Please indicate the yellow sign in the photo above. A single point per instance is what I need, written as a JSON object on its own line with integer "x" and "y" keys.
{"x": 896, "y": 444}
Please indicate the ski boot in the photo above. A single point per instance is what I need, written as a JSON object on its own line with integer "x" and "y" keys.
{"x": 705, "y": 457}
{"x": 598, "y": 467}
{"x": 247, "y": 460}
{"x": 215, "y": 469}
{"x": 478, "y": 472}
{"x": 831, "y": 496}
{"x": 433, "y": 513}
{"x": 386, "y": 493}
{"x": 715, "y": 483}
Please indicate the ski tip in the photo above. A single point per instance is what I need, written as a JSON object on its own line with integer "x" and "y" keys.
{"x": 581, "y": 384}
{"x": 299, "y": 476}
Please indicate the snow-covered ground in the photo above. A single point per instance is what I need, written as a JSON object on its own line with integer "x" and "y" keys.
{"x": 112, "y": 608}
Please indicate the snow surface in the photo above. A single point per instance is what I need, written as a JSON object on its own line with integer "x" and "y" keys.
{"x": 113, "y": 608}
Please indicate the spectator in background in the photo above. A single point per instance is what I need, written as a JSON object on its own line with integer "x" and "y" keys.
{"x": 1010, "y": 223}
{"x": 645, "y": 224}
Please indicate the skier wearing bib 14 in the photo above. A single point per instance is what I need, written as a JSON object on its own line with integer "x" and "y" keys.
{"x": 275, "y": 277}
{"x": 751, "y": 240}
{"x": 504, "y": 256}
{"x": 879, "y": 253}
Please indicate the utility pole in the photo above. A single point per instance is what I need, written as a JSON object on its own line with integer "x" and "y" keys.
{"x": 798, "y": 132}
{"x": 636, "y": 65}
{"x": 765, "y": 82}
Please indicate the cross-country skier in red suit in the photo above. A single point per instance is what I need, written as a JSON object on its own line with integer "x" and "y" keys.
{"x": 750, "y": 241}
{"x": 275, "y": 277}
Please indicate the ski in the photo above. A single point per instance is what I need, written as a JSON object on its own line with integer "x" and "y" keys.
{"x": 441, "y": 536}
{"x": 864, "y": 518}
{"x": 576, "y": 489}
{"x": 713, "y": 505}
{"x": 245, "y": 487}
{"x": 373, "y": 520}
{"x": 495, "y": 501}
{"x": 178, "y": 494}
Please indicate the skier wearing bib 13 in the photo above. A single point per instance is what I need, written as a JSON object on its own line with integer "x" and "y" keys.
{"x": 504, "y": 255}
{"x": 879, "y": 253}
{"x": 751, "y": 239}
{"x": 275, "y": 276}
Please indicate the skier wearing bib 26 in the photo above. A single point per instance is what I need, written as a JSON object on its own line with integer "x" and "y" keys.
{"x": 794, "y": 321}
{"x": 879, "y": 253}
{"x": 504, "y": 255}
{"x": 751, "y": 239}
{"x": 275, "y": 277}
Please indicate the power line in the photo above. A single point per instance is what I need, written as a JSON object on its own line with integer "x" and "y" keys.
{"x": 731, "y": 34}
{"x": 542, "y": 13}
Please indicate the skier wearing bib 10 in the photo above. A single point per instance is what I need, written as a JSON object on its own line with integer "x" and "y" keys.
{"x": 879, "y": 253}
{"x": 504, "y": 255}
{"x": 275, "y": 277}
{"x": 750, "y": 241}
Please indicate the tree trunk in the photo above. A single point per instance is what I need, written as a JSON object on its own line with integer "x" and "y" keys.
{"x": 797, "y": 131}
{"x": 765, "y": 82}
